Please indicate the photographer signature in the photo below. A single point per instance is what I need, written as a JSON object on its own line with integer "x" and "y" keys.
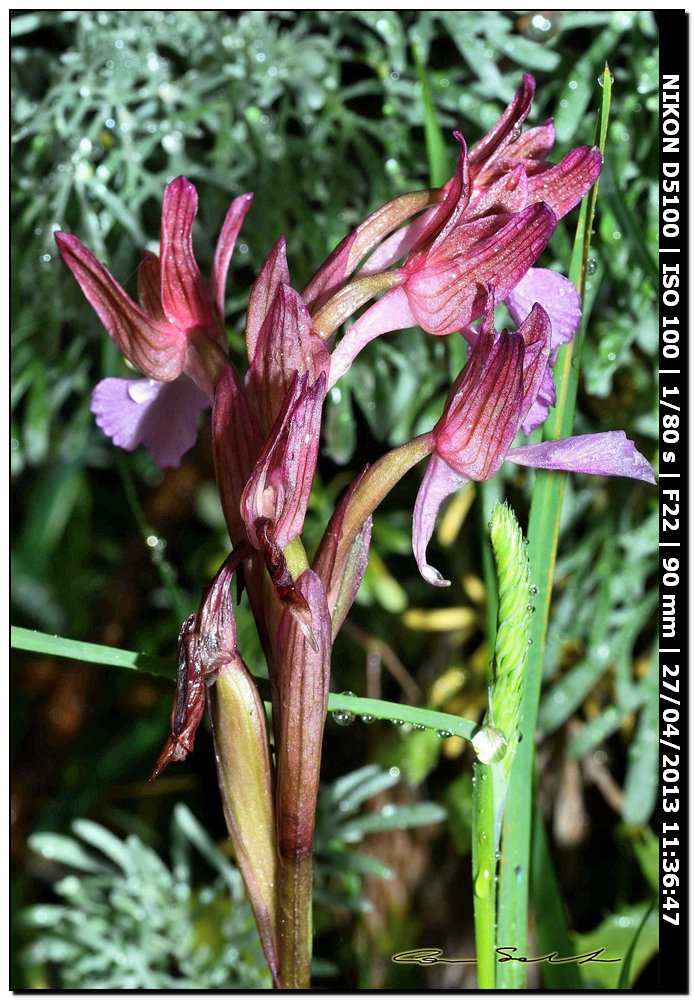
{"x": 435, "y": 956}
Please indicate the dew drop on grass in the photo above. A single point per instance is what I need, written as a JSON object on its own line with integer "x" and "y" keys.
{"x": 482, "y": 884}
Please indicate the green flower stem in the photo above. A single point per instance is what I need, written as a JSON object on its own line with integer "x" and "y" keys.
{"x": 543, "y": 532}
{"x": 377, "y": 483}
{"x": 350, "y": 298}
{"x": 483, "y": 874}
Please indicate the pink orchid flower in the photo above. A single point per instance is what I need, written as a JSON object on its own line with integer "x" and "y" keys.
{"x": 486, "y": 407}
{"x": 158, "y": 335}
{"x": 491, "y": 222}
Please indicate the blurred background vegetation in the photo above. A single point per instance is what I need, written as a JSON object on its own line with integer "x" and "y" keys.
{"x": 119, "y": 884}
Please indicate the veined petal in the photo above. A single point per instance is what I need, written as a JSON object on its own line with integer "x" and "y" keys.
{"x": 563, "y": 185}
{"x": 507, "y": 194}
{"x": 157, "y": 348}
{"x": 448, "y": 214}
{"x": 446, "y": 296}
{"x": 439, "y": 482}
{"x": 392, "y": 312}
{"x": 225, "y": 248}
{"x": 286, "y": 345}
{"x": 482, "y": 414}
{"x": 538, "y": 412}
{"x": 280, "y": 485}
{"x": 235, "y": 443}
{"x": 531, "y": 148}
{"x": 184, "y": 294}
{"x": 149, "y": 286}
{"x": 274, "y": 272}
{"x": 498, "y": 138}
{"x": 557, "y": 296}
{"x": 397, "y": 244}
{"x": 607, "y": 454}
{"x": 536, "y": 332}
{"x": 160, "y": 415}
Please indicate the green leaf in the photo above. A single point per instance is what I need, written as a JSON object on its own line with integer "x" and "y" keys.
{"x": 616, "y": 935}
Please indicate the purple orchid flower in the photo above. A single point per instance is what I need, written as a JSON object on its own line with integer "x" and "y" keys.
{"x": 158, "y": 337}
{"x": 492, "y": 220}
{"x": 486, "y": 407}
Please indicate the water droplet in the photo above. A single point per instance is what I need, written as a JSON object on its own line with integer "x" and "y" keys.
{"x": 343, "y": 718}
{"x": 497, "y": 855}
{"x": 420, "y": 729}
{"x": 444, "y": 733}
{"x": 530, "y": 608}
{"x": 573, "y": 84}
{"x": 518, "y": 872}
{"x": 394, "y": 772}
{"x": 591, "y": 265}
{"x": 533, "y": 590}
{"x": 516, "y": 133}
{"x": 601, "y": 79}
{"x": 368, "y": 719}
{"x": 482, "y": 884}
{"x": 152, "y": 541}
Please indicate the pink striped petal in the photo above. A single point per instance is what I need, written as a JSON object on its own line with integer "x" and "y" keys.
{"x": 508, "y": 126}
{"x": 160, "y": 415}
{"x": 156, "y": 348}
{"x": 447, "y": 295}
{"x": 149, "y": 286}
{"x": 278, "y": 490}
{"x": 274, "y": 272}
{"x": 225, "y": 248}
{"x": 482, "y": 413}
{"x": 184, "y": 294}
{"x": 608, "y": 454}
{"x": 563, "y": 185}
{"x": 286, "y": 345}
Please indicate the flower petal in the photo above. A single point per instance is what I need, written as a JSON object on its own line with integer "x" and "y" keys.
{"x": 482, "y": 413}
{"x": 536, "y": 332}
{"x": 160, "y": 415}
{"x": 545, "y": 399}
{"x": 446, "y": 295}
{"x": 274, "y": 272}
{"x": 557, "y": 296}
{"x": 225, "y": 248}
{"x": 286, "y": 344}
{"x": 149, "y": 286}
{"x": 500, "y": 135}
{"x": 439, "y": 482}
{"x": 392, "y": 312}
{"x": 563, "y": 185}
{"x": 280, "y": 485}
{"x": 236, "y": 442}
{"x": 157, "y": 348}
{"x": 607, "y": 454}
{"x": 184, "y": 295}
{"x": 507, "y": 194}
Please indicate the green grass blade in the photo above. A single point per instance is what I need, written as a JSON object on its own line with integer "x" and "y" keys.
{"x": 73, "y": 649}
{"x": 543, "y": 532}
{"x": 437, "y": 149}
{"x": 346, "y": 704}
{"x": 550, "y": 921}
